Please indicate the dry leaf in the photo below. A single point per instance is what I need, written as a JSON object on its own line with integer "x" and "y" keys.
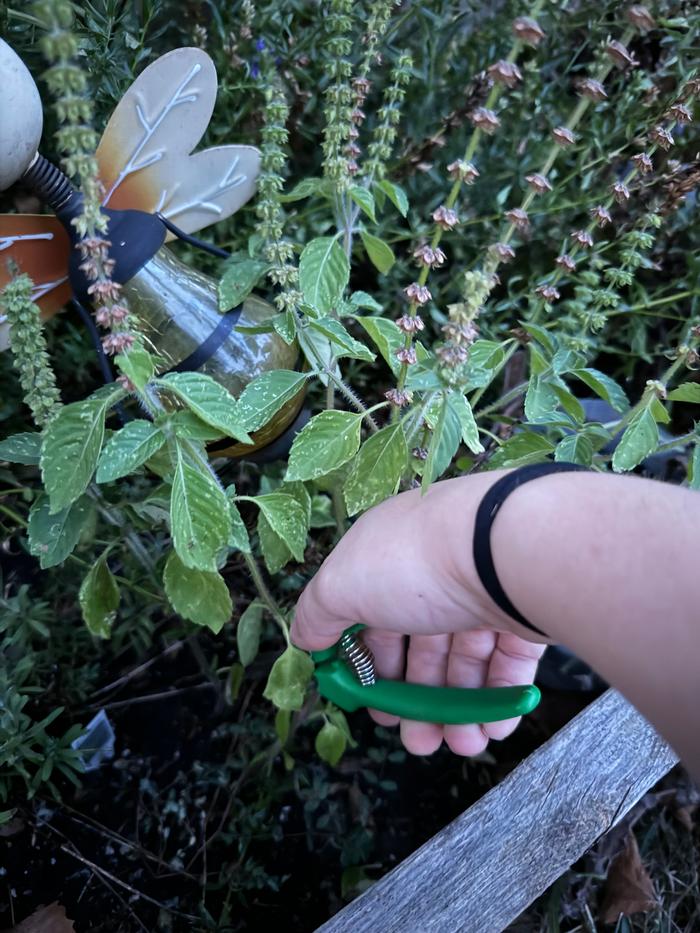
{"x": 629, "y": 889}
{"x": 51, "y": 919}
{"x": 684, "y": 815}
{"x": 12, "y": 827}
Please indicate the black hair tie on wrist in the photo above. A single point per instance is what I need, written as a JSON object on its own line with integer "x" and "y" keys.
{"x": 485, "y": 516}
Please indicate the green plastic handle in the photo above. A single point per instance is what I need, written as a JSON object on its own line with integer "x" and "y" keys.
{"x": 448, "y": 705}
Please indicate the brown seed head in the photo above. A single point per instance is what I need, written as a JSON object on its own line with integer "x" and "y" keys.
{"x": 518, "y": 217}
{"x": 620, "y": 192}
{"x": 485, "y": 120}
{"x": 662, "y": 137}
{"x": 503, "y": 72}
{"x": 427, "y": 256}
{"x": 680, "y": 113}
{"x": 538, "y": 183}
{"x": 465, "y": 171}
{"x": 406, "y": 355}
{"x": 547, "y": 292}
{"x": 643, "y": 163}
{"x": 564, "y": 261}
{"x": 640, "y": 17}
{"x": 620, "y": 54}
{"x": 399, "y": 397}
{"x": 589, "y": 87}
{"x": 452, "y": 355}
{"x": 502, "y": 251}
{"x": 563, "y": 136}
{"x": 361, "y": 86}
{"x": 410, "y": 323}
{"x": 420, "y": 294}
{"x": 445, "y": 217}
{"x": 117, "y": 343}
{"x": 583, "y": 238}
{"x": 464, "y": 334}
{"x": 601, "y": 215}
{"x": 528, "y": 30}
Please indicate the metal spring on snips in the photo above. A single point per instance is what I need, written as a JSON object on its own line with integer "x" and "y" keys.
{"x": 359, "y": 657}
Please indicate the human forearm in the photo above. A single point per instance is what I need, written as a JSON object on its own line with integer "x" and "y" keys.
{"x": 608, "y": 566}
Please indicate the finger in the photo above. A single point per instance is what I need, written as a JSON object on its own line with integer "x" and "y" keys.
{"x": 514, "y": 661}
{"x": 426, "y": 663}
{"x": 317, "y": 624}
{"x": 389, "y": 652}
{"x": 468, "y": 667}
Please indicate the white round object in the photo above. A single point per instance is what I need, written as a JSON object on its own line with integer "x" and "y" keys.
{"x": 21, "y": 117}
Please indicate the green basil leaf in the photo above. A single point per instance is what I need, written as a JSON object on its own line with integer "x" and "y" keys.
{"x": 574, "y": 448}
{"x": 265, "y": 395}
{"x": 603, "y": 386}
{"x": 330, "y": 743}
{"x": 238, "y": 538}
{"x": 377, "y": 469}
{"x": 343, "y": 342}
{"x": 99, "y": 598}
{"x": 285, "y": 324}
{"x": 305, "y": 189}
{"x": 641, "y": 438}
{"x": 239, "y": 278}
{"x": 71, "y": 446}
{"x": 200, "y": 596}
{"x": 380, "y": 253}
{"x": 289, "y": 677}
{"x": 541, "y": 401}
{"x": 208, "y": 400}
{"x": 128, "y": 449}
{"x": 687, "y": 392}
{"x": 694, "y": 468}
{"x": 364, "y": 200}
{"x": 22, "y": 448}
{"x": 521, "y": 449}
{"x": 287, "y": 518}
{"x": 362, "y": 299}
{"x": 186, "y": 424}
{"x": 248, "y": 633}
{"x": 54, "y": 535}
{"x": 329, "y": 440}
{"x": 137, "y": 365}
{"x": 386, "y": 336}
{"x": 200, "y": 518}
{"x": 463, "y": 411}
{"x": 396, "y": 195}
{"x": 324, "y": 272}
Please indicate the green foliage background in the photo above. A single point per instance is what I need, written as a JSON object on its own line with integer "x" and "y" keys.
{"x": 621, "y": 330}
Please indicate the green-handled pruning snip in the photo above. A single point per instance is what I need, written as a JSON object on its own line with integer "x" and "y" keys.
{"x": 345, "y": 675}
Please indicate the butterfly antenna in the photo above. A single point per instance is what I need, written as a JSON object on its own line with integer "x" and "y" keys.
{"x": 193, "y": 240}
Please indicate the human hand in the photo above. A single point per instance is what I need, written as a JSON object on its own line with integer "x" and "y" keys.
{"x": 406, "y": 568}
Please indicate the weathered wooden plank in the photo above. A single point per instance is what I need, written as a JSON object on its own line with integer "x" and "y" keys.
{"x": 480, "y": 872}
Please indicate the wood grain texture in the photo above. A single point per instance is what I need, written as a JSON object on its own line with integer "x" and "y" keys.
{"x": 480, "y": 872}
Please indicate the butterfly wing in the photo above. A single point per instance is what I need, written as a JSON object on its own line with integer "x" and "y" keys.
{"x": 39, "y": 246}
{"x": 144, "y": 155}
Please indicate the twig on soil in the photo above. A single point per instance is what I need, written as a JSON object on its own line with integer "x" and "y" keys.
{"x": 147, "y": 698}
{"x": 137, "y": 670}
{"x": 103, "y": 873}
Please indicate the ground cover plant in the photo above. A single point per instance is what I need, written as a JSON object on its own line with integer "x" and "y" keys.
{"x": 476, "y": 225}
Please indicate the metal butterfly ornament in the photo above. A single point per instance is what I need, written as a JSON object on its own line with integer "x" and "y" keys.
{"x": 155, "y": 187}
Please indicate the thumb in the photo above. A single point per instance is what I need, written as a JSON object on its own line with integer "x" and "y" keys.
{"x": 314, "y": 628}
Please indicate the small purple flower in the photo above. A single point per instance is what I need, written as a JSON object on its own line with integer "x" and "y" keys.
{"x": 260, "y": 45}
{"x": 255, "y": 70}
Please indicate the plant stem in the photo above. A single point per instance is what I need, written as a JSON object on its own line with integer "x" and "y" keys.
{"x": 265, "y": 594}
